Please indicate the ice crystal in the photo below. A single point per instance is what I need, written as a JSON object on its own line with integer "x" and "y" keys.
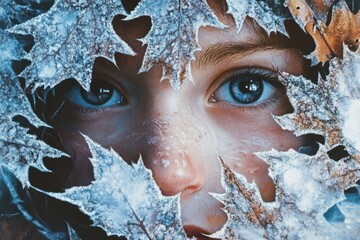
{"x": 68, "y": 38}
{"x": 306, "y": 187}
{"x": 18, "y": 149}
{"x": 326, "y": 108}
{"x": 346, "y": 72}
{"x": 13, "y": 13}
{"x": 261, "y": 11}
{"x": 243, "y": 207}
{"x": 173, "y": 44}
{"x": 124, "y": 199}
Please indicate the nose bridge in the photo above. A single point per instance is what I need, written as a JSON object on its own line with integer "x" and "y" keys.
{"x": 172, "y": 151}
{"x": 169, "y": 133}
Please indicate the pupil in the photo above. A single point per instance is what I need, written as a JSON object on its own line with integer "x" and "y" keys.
{"x": 246, "y": 90}
{"x": 98, "y": 95}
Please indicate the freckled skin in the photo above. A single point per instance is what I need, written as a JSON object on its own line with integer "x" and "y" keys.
{"x": 180, "y": 135}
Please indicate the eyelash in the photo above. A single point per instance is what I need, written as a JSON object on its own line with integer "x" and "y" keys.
{"x": 268, "y": 104}
{"x": 258, "y": 73}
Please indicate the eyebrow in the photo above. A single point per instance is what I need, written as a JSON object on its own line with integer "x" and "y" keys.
{"x": 220, "y": 52}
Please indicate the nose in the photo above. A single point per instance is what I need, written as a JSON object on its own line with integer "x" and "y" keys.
{"x": 172, "y": 151}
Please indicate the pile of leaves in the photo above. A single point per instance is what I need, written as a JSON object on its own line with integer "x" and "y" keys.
{"x": 327, "y": 108}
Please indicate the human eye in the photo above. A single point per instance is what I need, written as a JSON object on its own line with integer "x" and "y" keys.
{"x": 101, "y": 95}
{"x": 247, "y": 87}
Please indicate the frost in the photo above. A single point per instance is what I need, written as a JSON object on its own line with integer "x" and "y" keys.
{"x": 68, "y": 38}
{"x": 347, "y": 72}
{"x": 242, "y": 201}
{"x": 323, "y": 108}
{"x": 124, "y": 199}
{"x": 18, "y": 149}
{"x": 306, "y": 187}
{"x": 351, "y": 126}
{"x": 261, "y": 11}
{"x": 173, "y": 44}
{"x": 315, "y": 108}
{"x": 12, "y": 13}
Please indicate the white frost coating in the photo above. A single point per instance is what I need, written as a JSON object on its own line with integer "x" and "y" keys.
{"x": 305, "y": 192}
{"x": 173, "y": 45}
{"x": 316, "y": 108}
{"x": 346, "y": 72}
{"x": 47, "y": 71}
{"x": 309, "y": 182}
{"x": 260, "y": 11}
{"x": 351, "y": 126}
{"x": 242, "y": 222}
{"x": 124, "y": 199}
{"x": 18, "y": 150}
{"x": 69, "y": 37}
{"x": 165, "y": 163}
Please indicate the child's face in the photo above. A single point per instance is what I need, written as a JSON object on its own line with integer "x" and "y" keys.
{"x": 226, "y": 112}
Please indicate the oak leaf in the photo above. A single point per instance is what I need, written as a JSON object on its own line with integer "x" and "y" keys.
{"x": 344, "y": 27}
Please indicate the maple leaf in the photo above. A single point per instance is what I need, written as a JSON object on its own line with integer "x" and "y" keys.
{"x": 328, "y": 108}
{"x": 243, "y": 206}
{"x": 68, "y": 38}
{"x": 173, "y": 44}
{"x": 316, "y": 110}
{"x": 261, "y": 11}
{"x": 18, "y": 150}
{"x": 344, "y": 27}
{"x": 12, "y": 13}
{"x": 346, "y": 72}
{"x": 306, "y": 187}
{"x": 124, "y": 199}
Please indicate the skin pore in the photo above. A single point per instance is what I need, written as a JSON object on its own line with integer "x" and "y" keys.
{"x": 226, "y": 112}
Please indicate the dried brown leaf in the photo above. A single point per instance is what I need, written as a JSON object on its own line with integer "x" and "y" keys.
{"x": 344, "y": 27}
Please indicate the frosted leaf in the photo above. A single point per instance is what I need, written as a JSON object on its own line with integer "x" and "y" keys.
{"x": 173, "y": 44}
{"x": 68, "y": 38}
{"x": 124, "y": 199}
{"x": 243, "y": 205}
{"x": 261, "y": 11}
{"x": 12, "y": 13}
{"x": 306, "y": 187}
{"x": 327, "y": 108}
{"x": 18, "y": 150}
{"x": 315, "y": 107}
{"x": 347, "y": 72}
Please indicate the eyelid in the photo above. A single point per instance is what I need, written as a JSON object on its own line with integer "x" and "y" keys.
{"x": 271, "y": 76}
{"x": 111, "y": 81}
